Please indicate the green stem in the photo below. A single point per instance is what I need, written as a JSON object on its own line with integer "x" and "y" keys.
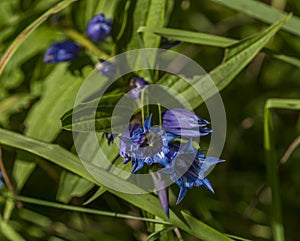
{"x": 81, "y": 209}
{"x": 159, "y": 113}
{"x": 273, "y": 179}
{"x": 150, "y": 73}
{"x": 83, "y": 41}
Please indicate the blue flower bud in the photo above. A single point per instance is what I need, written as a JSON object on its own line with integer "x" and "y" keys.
{"x": 106, "y": 68}
{"x": 61, "y": 51}
{"x": 98, "y": 28}
{"x": 184, "y": 123}
{"x": 1, "y": 182}
{"x": 136, "y": 87}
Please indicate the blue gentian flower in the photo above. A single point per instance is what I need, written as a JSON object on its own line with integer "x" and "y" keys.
{"x": 98, "y": 28}
{"x": 136, "y": 87}
{"x": 189, "y": 167}
{"x": 184, "y": 123}
{"x": 61, "y": 51}
{"x": 106, "y": 68}
{"x": 146, "y": 145}
{"x": 1, "y": 182}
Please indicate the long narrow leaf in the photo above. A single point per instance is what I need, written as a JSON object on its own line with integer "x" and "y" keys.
{"x": 238, "y": 56}
{"x": 262, "y": 12}
{"x": 272, "y": 162}
{"x": 211, "y": 40}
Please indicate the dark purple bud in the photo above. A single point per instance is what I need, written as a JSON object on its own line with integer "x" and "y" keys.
{"x": 162, "y": 191}
{"x": 109, "y": 136}
{"x": 61, "y": 51}
{"x": 136, "y": 87}
{"x": 98, "y": 28}
{"x": 1, "y": 182}
{"x": 168, "y": 43}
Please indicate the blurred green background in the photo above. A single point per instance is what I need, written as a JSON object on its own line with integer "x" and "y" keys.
{"x": 241, "y": 203}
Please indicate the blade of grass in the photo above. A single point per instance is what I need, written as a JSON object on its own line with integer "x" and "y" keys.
{"x": 262, "y": 12}
{"x": 157, "y": 235}
{"x": 190, "y": 36}
{"x": 28, "y": 30}
{"x": 45, "y": 203}
{"x": 211, "y": 40}
{"x": 9, "y": 232}
{"x": 273, "y": 163}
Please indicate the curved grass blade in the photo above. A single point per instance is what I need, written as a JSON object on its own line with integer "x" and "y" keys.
{"x": 237, "y": 57}
{"x": 189, "y": 36}
{"x": 262, "y": 12}
{"x": 211, "y": 40}
{"x": 157, "y": 235}
{"x": 82, "y": 209}
{"x": 273, "y": 162}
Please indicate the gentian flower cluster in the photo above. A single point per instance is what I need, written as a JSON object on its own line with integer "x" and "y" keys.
{"x": 171, "y": 147}
{"x": 97, "y": 29}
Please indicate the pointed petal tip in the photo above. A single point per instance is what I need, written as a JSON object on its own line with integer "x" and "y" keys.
{"x": 147, "y": 123}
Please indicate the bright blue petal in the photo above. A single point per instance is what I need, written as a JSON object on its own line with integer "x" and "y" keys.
{"x": 147, "y": 123}
{"x": 207, "y": 184}
{"x": 182, "y": 192}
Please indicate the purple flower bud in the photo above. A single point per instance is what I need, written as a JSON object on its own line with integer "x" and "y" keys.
{"x": 109, "y": 136}
{"x": 136, "y": 87}
{"x": 61, "y": 51}
{"x": 1, "y": 182}
{"x": 168, "y": 43}
{"x": 184, "y": 123}
{"x": 162, "y": 191}
{"x": 98, "y": 28}
{"x": 106, "y": 68}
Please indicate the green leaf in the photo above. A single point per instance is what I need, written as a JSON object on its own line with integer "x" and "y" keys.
{"x": 9, "y": 207}
{"x": 93, "y": 115}
{"x": 71, "y": 185}
{"x": 189, "y": 36}
{"x": 9, "y": 232}
{"x": 238, "y": 56}
{"x": 13, "y": 104}
{"x": 96, "y": 195}
{"x": 272, "y": 162}
{"x": 46, "y": 222}
{"x": 147, "y": 202}
{"x": 289, "y": 104}
{"x": 262, "y": 12}
{"x": 211, "y": 40}
{"x": 155, "y": 18}
{"x": 138, "y": 19}
{"x": 43, "y": 120}
{"x": 157, "y": 235}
